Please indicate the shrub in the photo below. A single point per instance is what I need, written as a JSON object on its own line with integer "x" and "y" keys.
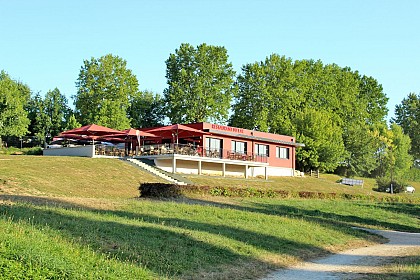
{"x": 384, "y": 185}
{"x": 159, "y": 190}
{"x": 36, "y": 151}
{"x": 24, "y": 151}
{"x": 413, "y": 174}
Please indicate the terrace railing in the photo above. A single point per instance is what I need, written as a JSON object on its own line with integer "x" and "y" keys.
{"x": 191, "y": 150}
{"x": 103, "y": 150}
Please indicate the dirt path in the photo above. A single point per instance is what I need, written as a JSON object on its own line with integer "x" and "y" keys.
{"x": 353, "y": 263}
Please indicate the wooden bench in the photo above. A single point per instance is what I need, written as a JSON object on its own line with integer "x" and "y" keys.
{"x": 352, "y": 182}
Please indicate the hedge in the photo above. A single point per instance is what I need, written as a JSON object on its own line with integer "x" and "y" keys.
{"x": 161, "y": 190}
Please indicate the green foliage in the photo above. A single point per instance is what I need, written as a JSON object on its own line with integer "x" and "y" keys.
{"x": 159, "y": 190}
{"x": 324, "y": 148}
{"x": 57, "y": 111}
{"x": 413, "y": 174}
{"x": 103, "y": 90}
{"x": 399, "y": 158}
{"x": 24, "y": 151}
{"x": 200, "y": 84}
{"x": 38, "y": 116}
{"x": 361, "y": 143}
{"x": 146, "y": 109}
{"x": 274, "y": 95}
{"x": 13, "y": 98}
{"x": 384, "y": 185}
{"x": 165, "y": 190}
{"x": 72, "y": 123}
{"x": 48, "y": 115}
{"x": 392, "y": 154}
{"x": 407, "y": 115}
{"x": 268, "y": 96}
{"x": 371, "y": 94}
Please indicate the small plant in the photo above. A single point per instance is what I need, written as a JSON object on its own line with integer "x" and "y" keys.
{"x": 384, "y": 185}
{"x": 159, "y": 190}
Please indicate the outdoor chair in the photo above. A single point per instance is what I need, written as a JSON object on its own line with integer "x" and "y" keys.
{"x": 231, "y": 155}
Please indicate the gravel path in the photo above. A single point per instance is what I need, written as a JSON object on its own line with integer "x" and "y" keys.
{"x": 353, "y": 263}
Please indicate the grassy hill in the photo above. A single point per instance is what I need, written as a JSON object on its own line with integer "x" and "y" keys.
{"x": 78, "y": 218}
{"x": 327, "y": 183}
{"x": 71, "y": 176}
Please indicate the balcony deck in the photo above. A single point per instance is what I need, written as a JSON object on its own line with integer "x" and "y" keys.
{"x": 194, "y": 161}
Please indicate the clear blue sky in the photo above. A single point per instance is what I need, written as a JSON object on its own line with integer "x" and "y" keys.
{"x": 44, "y": 43}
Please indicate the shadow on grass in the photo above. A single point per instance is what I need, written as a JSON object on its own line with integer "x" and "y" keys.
{"x": 258, "y": 240}
{"x": 402, "y": 208}
{"x": 165, "y": 246}
{"x": 43, "y": 201}
{"x": 335, "y": 220}
{"x": 163, "y": 251}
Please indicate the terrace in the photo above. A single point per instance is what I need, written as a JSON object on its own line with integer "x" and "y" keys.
{"x": 190, "y": 159}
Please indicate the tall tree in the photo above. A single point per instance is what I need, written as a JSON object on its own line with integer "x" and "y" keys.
{"x": 34, "y": 108}
{"x": 372, "y": 95}
{"x": 103, "y": 90}
{"x": 200, "y": 84}
{"x": 407, "y": 115}
{"x": 49, "y": 114}
{"x": 57, "y": 110}
{"x": 14, "y": 96}
{"x": 146, "y": 109}
{"x": 396, "y": 160}
{"x": 252, "y": 102}
{"x": 38, "y": 115}
{"x": 72, "y": 123}
{"x": 362, "y": 145}
{"x": 273, "y": 94}
{"x": 268, "y": 98}
{"x": 324, "y": 147}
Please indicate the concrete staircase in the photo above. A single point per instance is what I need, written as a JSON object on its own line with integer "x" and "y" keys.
{"x": 157, "y": 172}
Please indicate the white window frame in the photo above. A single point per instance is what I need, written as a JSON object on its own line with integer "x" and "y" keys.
{"x": 283, "y": 152}
{"x": 239, "y": 147}
{"x": 262, "y": 150}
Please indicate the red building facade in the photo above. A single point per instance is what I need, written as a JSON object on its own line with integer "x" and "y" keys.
{"x": 237, "y": 150}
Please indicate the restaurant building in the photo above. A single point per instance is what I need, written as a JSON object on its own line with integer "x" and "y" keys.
{"x": 197, "y": 148}
{"x": 205, "y": 148}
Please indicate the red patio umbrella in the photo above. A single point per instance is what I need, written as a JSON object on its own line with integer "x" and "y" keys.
{"x": 93, "y": 131}
{"x": 175, "y": 130}
{"x": 136, "y": 132}
{"x": 128, "y": 134}
{"x": 111, "y": 139}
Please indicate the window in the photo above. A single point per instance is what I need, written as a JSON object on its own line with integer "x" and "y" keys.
{"x": 261, "y": 150}
{"x": 282, "y": 152}
{"x": 213, "y": 144}
{"x": 239, "y": 147}
{"x": 213, "y": 147}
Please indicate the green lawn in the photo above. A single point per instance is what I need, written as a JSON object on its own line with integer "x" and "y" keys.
{"x": 82, "y": 220}
{"x": 71, "y": 176}
{"x": 327, "y": 183}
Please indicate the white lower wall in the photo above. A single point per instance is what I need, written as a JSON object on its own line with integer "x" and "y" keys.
{"x": 79, "y": 151}
{"x": 271, "y": 171}
{"x": 213, "y": 168}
